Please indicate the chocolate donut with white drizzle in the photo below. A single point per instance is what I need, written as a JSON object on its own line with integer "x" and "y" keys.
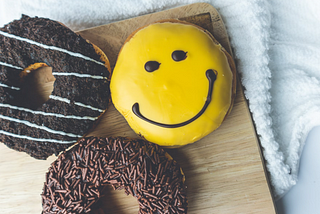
{"x": 80, "y": 94}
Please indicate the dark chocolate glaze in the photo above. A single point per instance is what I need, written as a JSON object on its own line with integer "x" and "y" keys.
{"x": 179, "y": 55}
{"x": 151, "y": 66}
{"x": 211, "y": 75}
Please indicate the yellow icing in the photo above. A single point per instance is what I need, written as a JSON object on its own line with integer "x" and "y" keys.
{"x": 176, "y": 91}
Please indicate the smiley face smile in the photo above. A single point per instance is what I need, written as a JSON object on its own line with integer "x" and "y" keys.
{"x": 211, "y": 76}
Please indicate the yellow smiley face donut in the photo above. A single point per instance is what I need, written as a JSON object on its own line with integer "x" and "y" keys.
{"x": 173, "y": 83}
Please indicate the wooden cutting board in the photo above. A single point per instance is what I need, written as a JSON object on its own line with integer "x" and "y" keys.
{"x": 224, "y": 171}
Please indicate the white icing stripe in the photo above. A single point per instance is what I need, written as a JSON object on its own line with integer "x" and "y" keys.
{"x": 47, "y": 114}
{"x": 12, "y": 87}
{"x": 76, "y": 103}
{"x": 27, "y": 123}
{"x": 87, "y": 106}
{"x": 79, "y": 75}
{"x": 60, "y": 73}
{"x": 35, "y": 139}
{"x": 59, "y": 99}
{"x": 49, "y": 47}
{"x": 11, "y": 66}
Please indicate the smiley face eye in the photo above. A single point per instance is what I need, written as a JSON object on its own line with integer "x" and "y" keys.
{"x": 151, "y": 66}
{"x": 178, "y": 55}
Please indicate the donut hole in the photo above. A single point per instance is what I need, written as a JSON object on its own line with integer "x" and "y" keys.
{"x": 115, "y": 201}
{"x": 37, "y": 86}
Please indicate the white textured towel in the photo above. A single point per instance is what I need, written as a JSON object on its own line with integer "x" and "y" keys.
{"x": 277, "y": 50}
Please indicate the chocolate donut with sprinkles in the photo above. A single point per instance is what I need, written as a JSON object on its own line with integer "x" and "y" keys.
{"x": 75, "y": 181}
{"x": 80, "y": 93}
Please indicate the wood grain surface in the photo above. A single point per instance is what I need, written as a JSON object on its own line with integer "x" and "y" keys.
{"x": 224, "y": 171}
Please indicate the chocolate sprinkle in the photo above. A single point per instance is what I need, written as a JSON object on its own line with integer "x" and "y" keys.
{"x": 76, "y": 179}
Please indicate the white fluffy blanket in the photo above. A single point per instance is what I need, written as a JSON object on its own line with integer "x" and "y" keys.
{"x": 277, "y": 50}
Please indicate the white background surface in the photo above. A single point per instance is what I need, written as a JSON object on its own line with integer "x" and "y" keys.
{"x": 304, "y": 197}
